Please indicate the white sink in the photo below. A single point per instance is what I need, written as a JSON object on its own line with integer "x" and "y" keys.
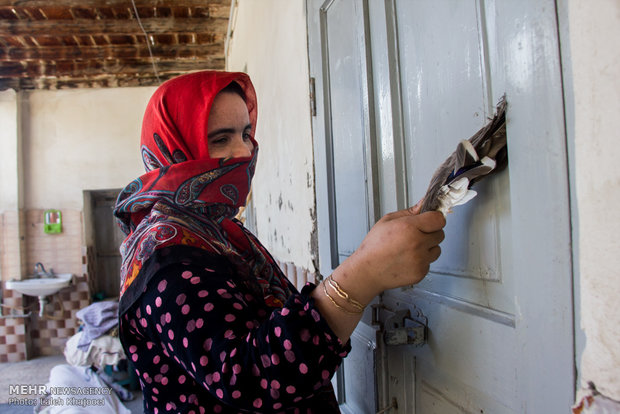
{"x": 42, "y": 286}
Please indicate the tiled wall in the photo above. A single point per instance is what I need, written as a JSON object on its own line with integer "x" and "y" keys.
{"x": 34, "y": 336}
{"x": 12, "y": 330}
{"x": 61, "y": 252}
{"x": 12, "y": 242}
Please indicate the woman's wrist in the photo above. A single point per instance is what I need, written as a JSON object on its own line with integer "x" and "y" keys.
{"x": 352, "y": 281}
{"x": 341, "y": 299}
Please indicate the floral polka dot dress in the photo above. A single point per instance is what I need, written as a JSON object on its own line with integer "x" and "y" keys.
{"x": 202, "y": 342}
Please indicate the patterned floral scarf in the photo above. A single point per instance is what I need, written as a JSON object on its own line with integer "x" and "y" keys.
{"x": 186, "y": 197}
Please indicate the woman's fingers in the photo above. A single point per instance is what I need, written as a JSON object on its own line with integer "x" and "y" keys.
{"x": 431, "y": 221}
{"x": 415, "y": 210}
{"x": 434, "y": 253}
{"x": 436, "y": 237}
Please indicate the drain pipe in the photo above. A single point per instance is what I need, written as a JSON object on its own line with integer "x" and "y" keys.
{"x": 42, "y": 303}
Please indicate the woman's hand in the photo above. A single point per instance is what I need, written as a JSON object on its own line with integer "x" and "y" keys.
{"x": 397, "y": 251}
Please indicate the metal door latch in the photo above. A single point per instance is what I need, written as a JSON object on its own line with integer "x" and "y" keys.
{"x": 402, "y": 329}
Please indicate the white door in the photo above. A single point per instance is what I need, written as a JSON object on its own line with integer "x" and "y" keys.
{"x": 415, "y": 77}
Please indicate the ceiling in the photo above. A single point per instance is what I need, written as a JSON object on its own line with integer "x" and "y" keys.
{"x": 57, "y": 44}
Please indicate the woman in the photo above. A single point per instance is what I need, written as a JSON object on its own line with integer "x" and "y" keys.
{"x": 207, "y": 317}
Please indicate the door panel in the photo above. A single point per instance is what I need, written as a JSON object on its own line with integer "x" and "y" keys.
{"x": 446, "y": 98}
{"x": 358, "y": 387}
{"x": 498, "y": 303}
{"x": 456, "y": 60}
{"x": 345, "y": 80}
{"x": 345, "y": 152}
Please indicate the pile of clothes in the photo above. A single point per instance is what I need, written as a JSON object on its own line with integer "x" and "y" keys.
{"x": 97, "y": 342}
{"x": 83, "y": 385}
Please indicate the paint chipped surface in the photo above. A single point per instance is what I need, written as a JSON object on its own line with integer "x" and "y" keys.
{"x": 283, "y": 186}
{"x": 591, "y": 402}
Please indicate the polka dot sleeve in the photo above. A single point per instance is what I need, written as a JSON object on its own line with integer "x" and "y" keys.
{"x": 198, "y": 327}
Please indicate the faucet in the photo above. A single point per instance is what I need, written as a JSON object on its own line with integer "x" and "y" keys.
{"x": 41, "y": 272}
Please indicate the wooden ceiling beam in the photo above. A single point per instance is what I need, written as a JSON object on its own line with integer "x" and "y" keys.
{"x": 104, "y": 81}
{"x": 94, "y": 68}
{"x": 89, "y": 27}
{"x": 98, "y": 43}
{"x": 112, "y": 3}
{"x": 187, "y": 51}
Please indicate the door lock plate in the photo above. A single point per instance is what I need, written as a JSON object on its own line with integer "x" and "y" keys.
{"x": 402, "y": 329}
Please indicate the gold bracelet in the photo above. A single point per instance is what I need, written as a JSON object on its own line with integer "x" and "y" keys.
{"x": 357, "y": 312}
{"x": 344, "y": 295}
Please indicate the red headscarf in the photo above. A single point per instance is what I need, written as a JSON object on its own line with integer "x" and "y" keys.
{"x": 186, "y": 197}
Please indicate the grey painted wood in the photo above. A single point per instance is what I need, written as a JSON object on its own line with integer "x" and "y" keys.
{"x": 344, "y": 82}
{"x": 346, "y": 157}
{"x": 456, "y": 60}
{"x": 498, "y": 302}
{"x": 446, "y": 89}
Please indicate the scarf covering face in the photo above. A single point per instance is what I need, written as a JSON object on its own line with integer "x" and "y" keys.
{"x": 188, "y": 198}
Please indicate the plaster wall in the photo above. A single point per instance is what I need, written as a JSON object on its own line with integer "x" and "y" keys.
{"x": 82, "y": 139}
{"x": 9, "y": 150}
{"x": 269, "y": 42}
{"x": 595, "y": 57}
